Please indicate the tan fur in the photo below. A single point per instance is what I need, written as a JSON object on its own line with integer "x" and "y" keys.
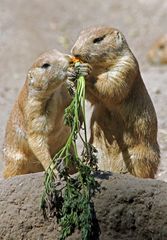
{"x": 35, "y": 130}
{"x": 158, "y": 51}
{"x": 123, "y": 123}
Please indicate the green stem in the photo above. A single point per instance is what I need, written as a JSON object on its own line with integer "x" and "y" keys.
{"x": 83, "y": 184}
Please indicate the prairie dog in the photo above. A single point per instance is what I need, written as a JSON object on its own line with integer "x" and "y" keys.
{"x": 35, "y": 130}
{"x": 158, "y": 51}
{"x": 124, "y": 122}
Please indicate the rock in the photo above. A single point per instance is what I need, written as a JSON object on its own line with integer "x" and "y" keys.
{"x": 127, "y": 208}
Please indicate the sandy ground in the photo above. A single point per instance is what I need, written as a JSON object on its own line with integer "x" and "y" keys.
{"x": 28, "y": 28}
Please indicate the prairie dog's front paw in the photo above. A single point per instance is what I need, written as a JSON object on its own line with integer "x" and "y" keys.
{"x": 71, "y": 74}
{"x": 83, "y": 69}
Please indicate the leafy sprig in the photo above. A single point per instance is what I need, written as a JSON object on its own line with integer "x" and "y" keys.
{"x": 71, "y": 202}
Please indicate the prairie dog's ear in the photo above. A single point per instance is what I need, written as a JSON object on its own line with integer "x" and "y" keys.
{"x": 119, "y": 38}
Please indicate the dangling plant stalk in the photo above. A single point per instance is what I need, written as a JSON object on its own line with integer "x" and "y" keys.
{"x": 72, "y": 204}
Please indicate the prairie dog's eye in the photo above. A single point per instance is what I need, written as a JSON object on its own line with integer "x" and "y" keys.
{"x": 99, "y": 39}
{"x": 45, "y": 65}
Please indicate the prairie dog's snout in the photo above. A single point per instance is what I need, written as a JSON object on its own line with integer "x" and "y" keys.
{"x": 65, "y": 60}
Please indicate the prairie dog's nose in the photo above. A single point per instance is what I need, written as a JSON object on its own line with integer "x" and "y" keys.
{"x": 75, "y": 52}
{"x": 77, "y": 56}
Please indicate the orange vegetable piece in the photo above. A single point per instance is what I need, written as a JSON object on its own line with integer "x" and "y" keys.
{"x": 75, "y": 60}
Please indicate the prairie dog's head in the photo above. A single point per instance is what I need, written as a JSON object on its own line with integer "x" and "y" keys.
{"x": 48, "y": 71}
{"x": 99, "y": 45}
{"x": 158, "y": 51}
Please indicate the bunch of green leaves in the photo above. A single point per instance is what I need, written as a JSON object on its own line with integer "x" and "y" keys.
{"x": 71, "y": 201}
